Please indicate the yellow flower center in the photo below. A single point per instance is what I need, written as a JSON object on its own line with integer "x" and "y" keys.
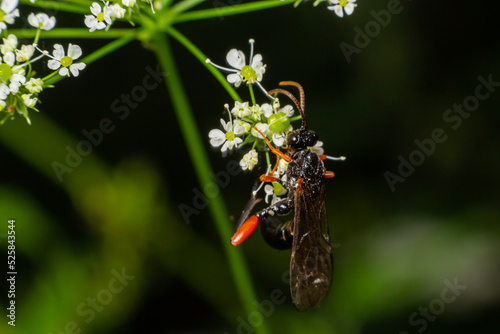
{"x": 2, "y": 15}
{"x": 343, "y": 3}
{"x": 100, "y": 17}
{"x": 249, "y": 74}
{"x": 230, "y": 135}
{"x": 66, "y": 61}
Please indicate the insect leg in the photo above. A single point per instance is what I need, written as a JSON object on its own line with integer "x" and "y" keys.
{"x": 329, "y": 174}
{"x": 279, "y": 208}
{"x": 273, "y": 149}
{"x": 269, "y": 177}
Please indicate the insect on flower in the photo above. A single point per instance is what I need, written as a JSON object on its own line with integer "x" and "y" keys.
{"x": 311, "y": 263}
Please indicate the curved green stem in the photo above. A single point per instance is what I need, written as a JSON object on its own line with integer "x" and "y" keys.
{"x": 222, "y": 9}
{"x": 202, "y": 168}
{"x": 202, "y": 58}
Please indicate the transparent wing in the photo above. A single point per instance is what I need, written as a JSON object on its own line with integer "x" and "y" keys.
{"x": 311, "y": 264}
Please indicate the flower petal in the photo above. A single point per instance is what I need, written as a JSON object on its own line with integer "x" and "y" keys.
{"x": 64, "y": 71}
{"x": 9, "y": 5}
{"x": 76, "y": 68}
{"x": 337, "y": 9}
{"x": 53, "y": 64}
{"x": 33, "y": 20}
{"x": 235, "y": 79}
{"x": 236, "y": 58}
{"x": 256, "y": 60}
{"x": 74, "y": 51}
{"x": 95, "y": 8}
{"x": 58, "y": 51}
{"x": 349, "y": 8}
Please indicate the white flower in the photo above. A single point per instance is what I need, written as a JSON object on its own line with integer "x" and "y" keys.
{"x": 9, "y": 44}
{"x": 117, "y": 11}
{"x": 318, "y": 149}
{"x": 268, "y": 110}
{"x": 16, "y": 80}
{"x": 241, "y": 72}
{"x": 229, "y": 138}
{"x": 256, "y": 112}
{"x": 262, "y": 127}
{"x": 241, "y": 110}
{"x": 59, "y": 58}
{"x": 100, "y": 18}
{"x": 240, "y": 123}
{"x": 29, "y": 101}
{"x": 128, "y": 3}
{"x": 274, "y": 190}
{"x": 9, "y": 58}
{"x": 346, "y": 5}
{"x": 34, "y": 85}
{"x": 282, "y": 167}
{"x": 42, "y": 21}
{"x": 9, "y": 10}
{"x": 4, "y": 91}
{"x": 279, "y": 138}
{"x": 25, "y": 53}
{"x": 249, "y": 160}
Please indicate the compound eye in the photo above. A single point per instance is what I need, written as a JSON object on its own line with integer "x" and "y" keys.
{"x": 292, "y": 140}
{"x": 312, "y": 138}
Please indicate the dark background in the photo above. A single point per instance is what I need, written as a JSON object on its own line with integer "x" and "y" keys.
{"x": 396, "y": 251}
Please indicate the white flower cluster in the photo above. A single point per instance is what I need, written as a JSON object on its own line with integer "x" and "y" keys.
{"x": 103, "y": 16}
{"x": 249, "y": 123}
{"x": 338, "y": 6}
{"x": 19, "y": 88}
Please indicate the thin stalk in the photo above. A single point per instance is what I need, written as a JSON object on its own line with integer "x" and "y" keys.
{"x": 201, "y": 57}
{"x": 108, "y": 48}
{"x": 71, "y": 33}
{"x": 229, "y": 10}
{"x": 185, "y": 5}
{"x": 252, "y": 95}
{"x": 59, "y": 6}
{"x": 202, "y": 168}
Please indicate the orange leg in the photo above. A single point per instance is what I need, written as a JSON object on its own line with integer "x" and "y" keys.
{"x": 329, "y": 174}
{"x": 273, "y": 149}
{"x": 269, "y": 176}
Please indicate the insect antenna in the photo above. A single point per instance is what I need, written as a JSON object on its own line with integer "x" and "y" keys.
{"x": 301, "y": 92}
{"x": 295, "y": 101}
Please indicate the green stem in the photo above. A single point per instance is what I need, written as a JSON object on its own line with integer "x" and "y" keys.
{"x": 71, "y": 33}
{"x": 202, "y": 168}
{"x": 229, "y": 10}
{"x": 202, "y": 58}
{"x": 108, "y": 48}
{"x": 49, "y": 76}
{"x": 59, "y": 6}
{"x": 185, "y": 5}
{"x": 252, "y": 96}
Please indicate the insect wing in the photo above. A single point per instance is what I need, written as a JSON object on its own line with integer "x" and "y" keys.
{"x": 311, "y": 264}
